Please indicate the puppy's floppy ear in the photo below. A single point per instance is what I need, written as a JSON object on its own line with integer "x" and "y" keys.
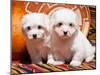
{"x": 47, "y": 22}
{"x": 23, "y": 31}
{"x": 47, "y": 40}
{"x": 77, "y": 26}
{"x": 52, "y": 21}
{"x": 47, "y": 32}
{"x": 23, "y": 22}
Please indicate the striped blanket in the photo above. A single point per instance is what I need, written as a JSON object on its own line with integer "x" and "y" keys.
{"x": 18, "y": 68}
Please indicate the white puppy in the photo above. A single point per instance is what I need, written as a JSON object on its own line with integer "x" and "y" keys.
{"x": 68, "y": 42}
{"x": 35, "y": 27}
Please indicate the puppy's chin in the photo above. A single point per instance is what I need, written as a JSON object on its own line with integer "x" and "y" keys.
{"x": 65, "y": 37}
{"x": 36, "y": 40}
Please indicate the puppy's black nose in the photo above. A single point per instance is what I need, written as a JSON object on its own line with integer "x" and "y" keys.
{"x": 65, "y": 32}
{"x": 34, "y": 35}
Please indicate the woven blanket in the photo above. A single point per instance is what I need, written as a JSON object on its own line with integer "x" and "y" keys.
{"x": 18, "y": 68}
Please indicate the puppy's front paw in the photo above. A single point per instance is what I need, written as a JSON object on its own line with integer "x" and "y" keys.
{"x": 90, "y": 58}
{"x": 50, "y": 62}
{"x": 40, "y": 63}
{"x": 56, "y": 62}
{"x": 75, "y": 63}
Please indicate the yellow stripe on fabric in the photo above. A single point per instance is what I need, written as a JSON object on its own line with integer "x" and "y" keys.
{"x": 87, "y": 66}
{"x": 14, "y": 72}
{"x": 20, "y": 70}
{"x": 40, "y": 68}
{"x": 56, "y": 67}
{"x": 82, "y": 66}
{"x": 52, "y": 67}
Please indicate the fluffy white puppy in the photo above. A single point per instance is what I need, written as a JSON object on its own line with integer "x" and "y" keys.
{"x": 35, "y": 27}
{"x": 67, "y": 41}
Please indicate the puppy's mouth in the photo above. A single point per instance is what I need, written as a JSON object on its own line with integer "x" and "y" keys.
{"x": 65, "y": 35}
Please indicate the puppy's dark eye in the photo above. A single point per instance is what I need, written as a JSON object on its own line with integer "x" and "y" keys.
{"x": 71, "y": 25}
{"x": 28, "y": 28}
{"x": 60, "y": 24}
{"x": 39, "y": 27}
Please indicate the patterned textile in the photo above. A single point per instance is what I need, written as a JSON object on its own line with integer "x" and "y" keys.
{"x": 92, "y": 29}
{"x": 18, "y": 68}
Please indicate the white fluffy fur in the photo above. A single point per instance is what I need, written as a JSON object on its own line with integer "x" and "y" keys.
{"x": 37, "y": 47}
{"x": 74, "y": 40}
